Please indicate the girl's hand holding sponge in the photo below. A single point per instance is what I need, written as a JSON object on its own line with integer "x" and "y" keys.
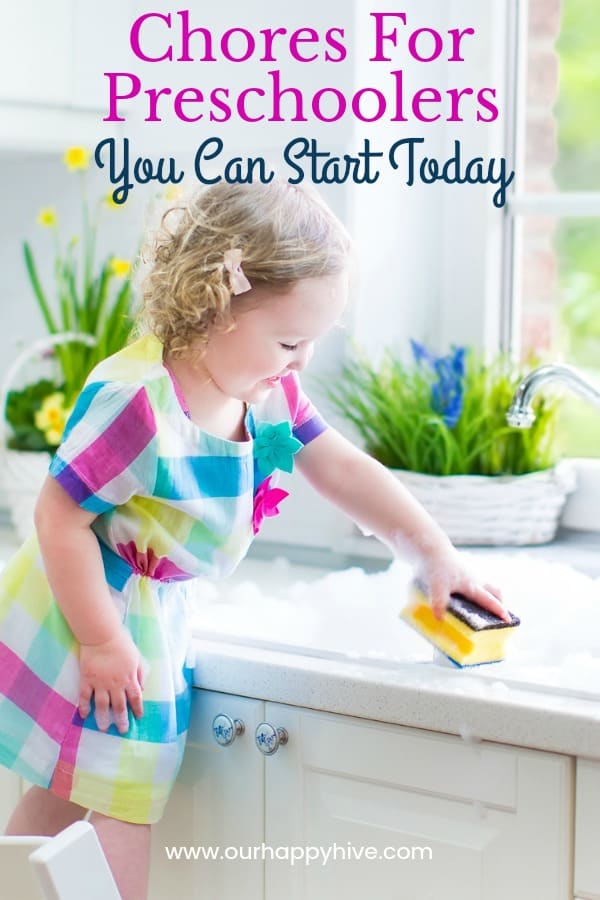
{"x": 466, "y": 621}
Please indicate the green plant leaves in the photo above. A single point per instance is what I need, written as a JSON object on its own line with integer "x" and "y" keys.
{"x": 83, "y": 298}
{"x": 21, "y": 407}
{"x": 101, "y": 308}
{"x": 390, "y": 406}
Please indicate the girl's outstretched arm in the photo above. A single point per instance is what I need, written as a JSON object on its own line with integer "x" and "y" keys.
{"x": 375, "y": 500}
{"x": 109, "y": 660}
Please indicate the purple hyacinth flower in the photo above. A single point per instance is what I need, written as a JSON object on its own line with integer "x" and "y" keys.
{"x": 447, "y": 392}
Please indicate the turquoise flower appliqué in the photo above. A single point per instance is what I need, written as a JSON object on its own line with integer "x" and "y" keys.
{"x": 274, "y": 447}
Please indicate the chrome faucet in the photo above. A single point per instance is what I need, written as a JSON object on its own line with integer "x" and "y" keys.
{"x": 521, "y": 414}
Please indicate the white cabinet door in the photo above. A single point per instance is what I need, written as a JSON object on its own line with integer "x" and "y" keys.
{"x": 467, "y": 821}
{"x": 36, "y": 58}
{"x": 53, "y": 90}
{"x": 587, "y": 829}
{"x": 100, "y": 44}
{"x": 217, "y": 803}
{"x": 10, "y": 794}
{"x": 55, "y": 54}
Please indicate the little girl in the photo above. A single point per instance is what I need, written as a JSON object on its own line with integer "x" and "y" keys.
{"x": 166, "y": 470}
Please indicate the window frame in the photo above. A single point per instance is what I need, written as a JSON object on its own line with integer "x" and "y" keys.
{"x": 520, "y": 204}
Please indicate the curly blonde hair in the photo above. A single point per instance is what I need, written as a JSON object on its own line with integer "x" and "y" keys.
{"x": 285, "y": 234}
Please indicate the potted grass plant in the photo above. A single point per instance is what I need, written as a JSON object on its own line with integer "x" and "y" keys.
{"x": 439, "y": 423}
{"x": 86, "y": 311}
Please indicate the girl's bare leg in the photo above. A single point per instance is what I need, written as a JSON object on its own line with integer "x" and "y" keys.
{"x": 127, "y": 849}
{"x": 41, "y": 812}
{"x": 126, "y": 845}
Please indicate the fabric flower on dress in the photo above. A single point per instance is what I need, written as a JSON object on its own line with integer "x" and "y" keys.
{"x": 148, "y": 564}
{"x": 274, "y": 447}
{"x": 266, "y": 500}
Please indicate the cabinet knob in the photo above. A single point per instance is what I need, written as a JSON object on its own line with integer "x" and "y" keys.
{"x": 268, "y": 738}
{"x": 225, "y": 730}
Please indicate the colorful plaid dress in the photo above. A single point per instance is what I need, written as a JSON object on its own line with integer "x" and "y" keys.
{"x": 174, "y": 504}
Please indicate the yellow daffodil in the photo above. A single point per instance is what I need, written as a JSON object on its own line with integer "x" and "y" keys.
{"x": 47, "y": 217}
{"x": 76, "y": 158}
{"x": 120, "y": 267}
{"x": 109, "y": 200}
{"x": 70, "y": 302}
{"x": 173, "y": 192}
{"x": 51, "y": 418}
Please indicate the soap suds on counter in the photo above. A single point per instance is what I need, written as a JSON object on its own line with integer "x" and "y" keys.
{"x": 354, "y": 615}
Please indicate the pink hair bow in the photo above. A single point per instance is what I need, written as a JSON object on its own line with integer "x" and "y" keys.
{"x": 233, "y": 264}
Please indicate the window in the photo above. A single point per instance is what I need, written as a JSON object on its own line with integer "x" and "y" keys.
{"x": 555, "y": 214}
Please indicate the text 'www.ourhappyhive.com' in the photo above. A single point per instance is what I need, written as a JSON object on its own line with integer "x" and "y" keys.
{"x": 297, "y": 854}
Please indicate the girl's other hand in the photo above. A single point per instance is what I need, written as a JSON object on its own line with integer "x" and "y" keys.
{"x": 112, "y": 672}
{"x": 445, "y": 573}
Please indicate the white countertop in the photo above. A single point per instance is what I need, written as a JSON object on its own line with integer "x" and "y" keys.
{"x": 486, "y": 703}
{"x": 281, "y": 651}
{"x": 418, "y": 695}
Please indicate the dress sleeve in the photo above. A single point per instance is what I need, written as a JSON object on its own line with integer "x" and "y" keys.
{"x": 108, "y": 452}
{"x": 307, "y": 423}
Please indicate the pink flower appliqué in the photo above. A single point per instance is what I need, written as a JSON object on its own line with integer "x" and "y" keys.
{"x": 266, "y": 500}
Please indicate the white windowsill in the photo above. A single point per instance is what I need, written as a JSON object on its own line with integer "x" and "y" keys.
{"x": 578, "y": 549}
{"x": 583, "y": 505}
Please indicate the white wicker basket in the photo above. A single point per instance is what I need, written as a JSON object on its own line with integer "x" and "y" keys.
{"x": 491, "y": 510}
{"x": 24, "y": 471}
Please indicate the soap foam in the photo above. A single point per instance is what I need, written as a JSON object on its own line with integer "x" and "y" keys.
{"x": 354, "y": 614}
